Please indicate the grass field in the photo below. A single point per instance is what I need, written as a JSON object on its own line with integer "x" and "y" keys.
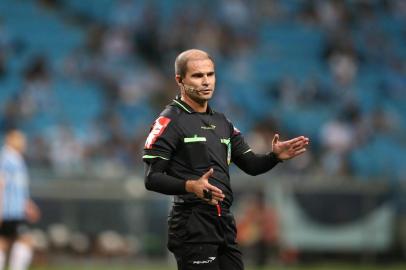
{"x": 307, "y": 267}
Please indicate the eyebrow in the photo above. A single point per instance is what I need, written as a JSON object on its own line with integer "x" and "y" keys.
{"x": 199, "y": 74}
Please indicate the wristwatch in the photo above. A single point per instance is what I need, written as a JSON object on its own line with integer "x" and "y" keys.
{"x": 207, "y": 194}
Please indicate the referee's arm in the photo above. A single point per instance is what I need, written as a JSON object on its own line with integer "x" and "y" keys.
{"x": 248, "y": 161}
{"x": 157, "y": 180}
{"x": 255, "y": 164}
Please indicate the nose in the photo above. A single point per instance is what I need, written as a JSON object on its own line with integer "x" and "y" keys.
{"x": 205, "y": 81}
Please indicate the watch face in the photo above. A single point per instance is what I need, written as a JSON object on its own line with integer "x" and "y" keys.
{"x": 207, "y": 194}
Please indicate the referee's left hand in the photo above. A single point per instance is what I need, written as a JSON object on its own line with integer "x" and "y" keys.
{"x": 289, "y": 149}
{"x": 204, "y": 190}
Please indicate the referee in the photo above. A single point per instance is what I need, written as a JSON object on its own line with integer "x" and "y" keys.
{"x": 15, "y": 205}
{"x": 187, "y": 154}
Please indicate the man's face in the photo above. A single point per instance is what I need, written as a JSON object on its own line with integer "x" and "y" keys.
{"x": 201, "y": 77}
{"x": 17, "y": 141}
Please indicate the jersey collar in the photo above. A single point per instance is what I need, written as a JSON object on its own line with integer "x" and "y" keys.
{"x": 11, "y": 152}
{"x": 184, "y": 106}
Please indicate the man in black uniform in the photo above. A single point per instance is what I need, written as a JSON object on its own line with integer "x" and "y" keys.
{"x": 188, "y": 153}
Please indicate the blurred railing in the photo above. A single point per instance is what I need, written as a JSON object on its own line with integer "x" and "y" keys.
{"x": 313, "y": 214}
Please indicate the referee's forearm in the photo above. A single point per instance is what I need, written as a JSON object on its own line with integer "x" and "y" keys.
{"x": 157, "y": 180}
{"x": 166, "y": 184}
{"x": 255, "y": 164}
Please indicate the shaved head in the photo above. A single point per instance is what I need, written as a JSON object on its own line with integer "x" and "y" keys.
{"x": 186, "y": 56}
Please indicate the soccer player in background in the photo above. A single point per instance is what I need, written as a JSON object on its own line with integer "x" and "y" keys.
{"x": 188, "y": 153}
{"x": 16, "y": 207}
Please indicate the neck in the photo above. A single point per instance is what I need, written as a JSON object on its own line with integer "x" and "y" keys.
{"x": 12, "y": 148}
{"x": 196, "y": 106}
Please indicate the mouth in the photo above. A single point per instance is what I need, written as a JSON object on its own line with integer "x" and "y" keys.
{"x": 206, "y": 91}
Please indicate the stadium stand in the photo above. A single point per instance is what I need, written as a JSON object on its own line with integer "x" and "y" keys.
{"x": 104, "y": 69}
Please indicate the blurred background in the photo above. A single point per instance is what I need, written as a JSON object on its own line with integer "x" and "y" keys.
{"x": 85, "y": 80}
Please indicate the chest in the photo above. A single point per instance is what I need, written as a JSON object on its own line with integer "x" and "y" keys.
{"x": 205, "y": 138}
{"x": 16, "y": 176}
{"x": 204, "y": 128}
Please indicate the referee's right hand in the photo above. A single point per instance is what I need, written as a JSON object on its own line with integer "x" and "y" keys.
{"x": 203, "y": 189}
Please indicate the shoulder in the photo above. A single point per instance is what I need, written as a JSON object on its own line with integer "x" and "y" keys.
{"x": 166, "y": 121}
{"x": 222, "y": 117}
{"x": 7, "y": 161}
{"x": 233, "y": 129}
{"x": 170, "y": 116}
{"x": 171, "y": 112}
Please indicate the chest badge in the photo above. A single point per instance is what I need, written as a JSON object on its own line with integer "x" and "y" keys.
{"x": 227, "y": 142}
{"x": 208, "y": 127}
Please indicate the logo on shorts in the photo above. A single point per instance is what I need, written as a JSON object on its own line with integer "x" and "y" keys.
{"x": 210, "y": 260}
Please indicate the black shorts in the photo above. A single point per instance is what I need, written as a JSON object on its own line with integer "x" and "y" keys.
{"x": 201, "y": 239}
{"x": 13, "y": 228}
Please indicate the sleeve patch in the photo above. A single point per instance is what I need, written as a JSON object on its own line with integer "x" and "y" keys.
{"x": 236, "y": 131}
{"x": 157, "y": 129}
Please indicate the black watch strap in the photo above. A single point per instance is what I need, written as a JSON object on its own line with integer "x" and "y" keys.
{"x": 207, "y": 194}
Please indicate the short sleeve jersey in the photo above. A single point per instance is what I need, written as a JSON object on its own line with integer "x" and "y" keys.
{"x": 193, "y": 143}
{"x": 14, "y": 176}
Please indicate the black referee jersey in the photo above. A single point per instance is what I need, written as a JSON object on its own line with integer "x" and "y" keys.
{"x": 184, "y": 144}
{"x": 193, "y": 143}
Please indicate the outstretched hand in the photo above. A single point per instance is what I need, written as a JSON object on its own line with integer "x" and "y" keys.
{"x": 289, "y": 149}
{"x": 204, "y": 190}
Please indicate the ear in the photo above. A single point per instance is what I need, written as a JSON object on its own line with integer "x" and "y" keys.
{"x": 178, "y": 79}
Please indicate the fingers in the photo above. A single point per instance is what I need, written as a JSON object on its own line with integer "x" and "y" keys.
{"x": 214, "y": 190}
{"x": 218, "y": 197}
{"x": 297, "y": 139}
{"x": 292, "y": 148}
{"x": 297, "y": 144}
{"x": 212, "y": 197}
{"x": 300, "y": 144}
{"x": 299, "y": 152}
{"x": 213, "y": 202}
{"x": 208, "y": 174}
{"x": 275, "y": 138}
{"x": 208, "y": 192}
{"x": 216, "y": 193}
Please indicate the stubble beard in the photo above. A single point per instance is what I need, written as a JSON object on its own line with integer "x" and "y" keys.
{"x": 198, "y": 98}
